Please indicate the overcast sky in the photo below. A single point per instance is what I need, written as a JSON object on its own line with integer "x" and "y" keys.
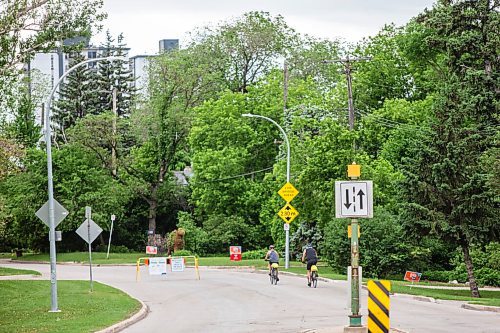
{"x": 145, "y": 22}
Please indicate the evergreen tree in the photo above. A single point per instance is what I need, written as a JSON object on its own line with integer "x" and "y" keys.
{"x": 76, "y": 96}
{"x": 447, "y": 183}
{"x": 114, "y": 74}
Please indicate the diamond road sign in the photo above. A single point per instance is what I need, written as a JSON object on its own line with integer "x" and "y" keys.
{"x": 288, "y": 192}
{"x": 288, "y": 213}
{"x": 354, "y": 199}
{"x": 60, "y": 213}
{"x": 89, "y": 234}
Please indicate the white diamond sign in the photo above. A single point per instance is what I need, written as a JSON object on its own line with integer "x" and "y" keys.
{"x": 89, "y": 231}
{"x": 60, "y": 213}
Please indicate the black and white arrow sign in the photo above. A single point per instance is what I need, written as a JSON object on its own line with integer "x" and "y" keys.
{"x": 353, "y": 199}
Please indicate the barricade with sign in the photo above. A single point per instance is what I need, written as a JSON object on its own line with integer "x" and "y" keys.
{"x": 177, "y": 264}
{"x": 160, "y": 265}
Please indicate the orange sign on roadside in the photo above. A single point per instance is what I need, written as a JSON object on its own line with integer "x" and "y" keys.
{"x": 235, "y": 253}
{"x": 151, "y": 250}
{"x": 412, "y": 276}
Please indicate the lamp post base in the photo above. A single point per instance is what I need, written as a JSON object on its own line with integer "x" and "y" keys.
{"x": 355, "y": 321}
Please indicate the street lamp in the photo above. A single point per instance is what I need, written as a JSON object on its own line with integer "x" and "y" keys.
{"x": 48, "y": 144}
{"x": 287, "y": 233}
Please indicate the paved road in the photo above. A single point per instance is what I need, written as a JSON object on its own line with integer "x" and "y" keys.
{"x": 244, "y": 301}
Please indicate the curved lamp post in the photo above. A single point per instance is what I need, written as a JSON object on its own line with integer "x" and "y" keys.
{"x": 287, "y": 233}
{"x": 48, "y": 144}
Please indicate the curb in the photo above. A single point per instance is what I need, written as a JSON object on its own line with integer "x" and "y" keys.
{"x": 21, "y": 277}
{"x": 139, "y": 315}
{"x": 477, "y": 307}
{"x": 425, "y": 299}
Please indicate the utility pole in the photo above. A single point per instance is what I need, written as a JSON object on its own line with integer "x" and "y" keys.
{"x": 347, "y": 62}
{"x": 355, "y": 324}
{"x": 113, "y": 141}
{"x": 285, "y": 86}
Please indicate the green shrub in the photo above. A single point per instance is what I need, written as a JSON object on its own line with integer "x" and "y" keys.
{"x": 439, "y": 276}
{"x": 113, "y": 248}
{"x": 255, "y": 254}
{"x": 488, "y": 277}
{"x": 180, "y": 253}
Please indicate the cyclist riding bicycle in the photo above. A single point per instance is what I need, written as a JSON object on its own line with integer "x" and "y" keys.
{"x": 273, "y": 258}
{"x": 309, "y": 255}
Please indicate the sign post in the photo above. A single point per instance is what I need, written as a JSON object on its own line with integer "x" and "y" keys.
{"x": 52, "y": 213}
{"x": 113, "y": 217}
{"x": 354, "y": 199}
{"x": 89, "y": 231}
{"x": 288, "y": 213}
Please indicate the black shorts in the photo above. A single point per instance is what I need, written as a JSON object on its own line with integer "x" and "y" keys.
{"x": 273, "y": 262}
{"x": 310, "y": 263}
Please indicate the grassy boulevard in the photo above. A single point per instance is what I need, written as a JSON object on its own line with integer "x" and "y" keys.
{"x": 489, "y": 297}
{"x": 24, "y": 307}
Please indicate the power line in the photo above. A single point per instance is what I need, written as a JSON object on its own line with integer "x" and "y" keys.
{"x": 236, "y": 176}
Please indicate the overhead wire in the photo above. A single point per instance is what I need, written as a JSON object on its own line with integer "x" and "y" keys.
{"x": 236, "y": 176}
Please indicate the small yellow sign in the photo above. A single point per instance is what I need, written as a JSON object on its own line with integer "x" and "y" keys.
{"x": 288, "y": 213}
{"x": 288, "y": 192}
{"x": 354, "y": 170}
{"x": 349, "y": 231}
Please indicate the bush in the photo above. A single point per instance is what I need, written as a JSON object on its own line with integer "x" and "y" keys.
{"x": 180, "y": 253}
{"x": 439, "y": 276}
{"x": 113, "y": 248}
{"x": 488, "y": 277}
{"x": 255, "y": 254}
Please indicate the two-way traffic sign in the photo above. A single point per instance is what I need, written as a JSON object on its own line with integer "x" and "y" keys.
{"x": 354, "y": 199}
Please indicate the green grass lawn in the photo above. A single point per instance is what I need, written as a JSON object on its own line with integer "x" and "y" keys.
{"x": 488, "y": 297}
{"x": 25, "y": 305}
{"x": 13, "y": 271}
{"x": 83, "y": 257}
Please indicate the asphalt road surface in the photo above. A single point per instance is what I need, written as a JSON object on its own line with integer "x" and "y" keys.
{"x": 245, "y": 301}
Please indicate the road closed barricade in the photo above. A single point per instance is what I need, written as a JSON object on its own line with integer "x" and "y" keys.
{"x": 158, "y": 265}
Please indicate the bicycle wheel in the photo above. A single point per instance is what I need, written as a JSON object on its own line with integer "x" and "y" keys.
{"x": 275, "y": 276}
{"x": 314, "y": 279}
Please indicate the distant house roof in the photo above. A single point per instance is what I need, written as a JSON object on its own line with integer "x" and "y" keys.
{"x": 183, "y": 176}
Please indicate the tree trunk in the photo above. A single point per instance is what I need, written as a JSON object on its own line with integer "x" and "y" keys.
{"x": 153, "y": 205}
{"x": 470, "y": 267}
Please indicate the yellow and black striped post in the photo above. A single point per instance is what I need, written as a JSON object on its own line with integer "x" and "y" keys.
{"x": 379, "y": 305}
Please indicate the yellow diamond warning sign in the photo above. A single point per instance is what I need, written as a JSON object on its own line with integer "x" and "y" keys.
{"x": 288, "y": 213}
{"x": 288, "y": 192}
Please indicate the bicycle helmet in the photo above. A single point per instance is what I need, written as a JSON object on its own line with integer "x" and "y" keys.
{"x": 271, "y": 247}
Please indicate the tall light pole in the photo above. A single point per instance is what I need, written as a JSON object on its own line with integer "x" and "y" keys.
{"x": 48, "y": 144}
{"x": 287, "y": 233}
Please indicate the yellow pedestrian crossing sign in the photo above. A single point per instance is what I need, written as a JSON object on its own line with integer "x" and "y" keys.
{"x": 288, "y": 192}
{"x": 288, "y": 213}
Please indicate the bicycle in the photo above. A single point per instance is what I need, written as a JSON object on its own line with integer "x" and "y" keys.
{"x": 273, "y": 276}
{"x": 314, "y": 276}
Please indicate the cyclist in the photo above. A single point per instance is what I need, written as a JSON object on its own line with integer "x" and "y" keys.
{"x": 309, "y": 255}
{"x": 273, "y": 257}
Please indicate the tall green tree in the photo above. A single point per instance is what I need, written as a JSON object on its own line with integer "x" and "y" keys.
{"x": 112, "y": 75}
{"x": 30, "y": 26}
{"x": 246, "y": 49}
{"x": 76, "y": 97}
{"x": 447, "y": 185}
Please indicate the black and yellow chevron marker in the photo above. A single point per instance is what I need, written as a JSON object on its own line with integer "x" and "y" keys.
{"x": 379, "y": 304}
